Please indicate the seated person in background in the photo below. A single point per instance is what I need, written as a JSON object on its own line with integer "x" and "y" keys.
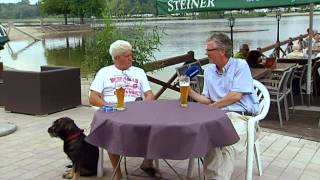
{"x": 228, "y": 85}
{"x": 277, "y": 49}
{"x": 316, "y": 44}
{"x": 289, "y": 46}
{"x": 303, "y": 43}
{"x": 254, "y": 59}
{"x": 296, "y": 53}
{"x": 243, "y": 52}
{"x": 260, "y": 50}
{"x": 103, "y": 89}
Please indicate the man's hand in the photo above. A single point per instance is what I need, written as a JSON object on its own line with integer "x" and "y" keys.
{"x": 149, "y": 95}
{"x": 198, "y": 97}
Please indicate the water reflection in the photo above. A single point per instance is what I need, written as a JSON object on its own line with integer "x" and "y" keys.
{"x": 30, "y": 55}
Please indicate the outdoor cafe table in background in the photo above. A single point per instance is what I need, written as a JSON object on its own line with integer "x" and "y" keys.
{"x": 302, "y": 61}
{"x": 281, "y": 67}
{"x": 161, "y": 129}
{"x": 258, "y": 73}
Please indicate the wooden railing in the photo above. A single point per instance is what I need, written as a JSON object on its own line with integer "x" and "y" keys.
{"x": 186, "y": 58}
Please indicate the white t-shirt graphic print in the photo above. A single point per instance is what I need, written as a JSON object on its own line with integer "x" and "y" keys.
{"x": 134, "y": 78}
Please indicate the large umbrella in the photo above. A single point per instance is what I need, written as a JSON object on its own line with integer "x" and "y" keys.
{"x": 185, "y": 6}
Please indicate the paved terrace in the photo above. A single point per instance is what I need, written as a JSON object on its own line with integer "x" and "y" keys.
{"x": 30, "y": 153}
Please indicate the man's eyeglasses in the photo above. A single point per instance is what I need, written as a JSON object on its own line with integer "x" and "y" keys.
{"x": 213, "y": 49}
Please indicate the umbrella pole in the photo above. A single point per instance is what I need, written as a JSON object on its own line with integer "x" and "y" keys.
{"x": 309, "y": 55}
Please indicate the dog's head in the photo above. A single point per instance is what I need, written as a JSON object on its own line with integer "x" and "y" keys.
{"x": 62, "y": 128}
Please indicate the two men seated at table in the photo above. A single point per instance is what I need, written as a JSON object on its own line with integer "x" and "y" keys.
{"x": 137, "y": 86}
{"x": 228, "y": 85}
{"x": 243, "y": 52}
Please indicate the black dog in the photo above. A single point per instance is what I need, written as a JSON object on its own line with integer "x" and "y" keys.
{"x": 83, "y": 155}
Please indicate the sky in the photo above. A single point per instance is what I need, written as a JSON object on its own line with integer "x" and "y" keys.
{"x": 15, "y": 1}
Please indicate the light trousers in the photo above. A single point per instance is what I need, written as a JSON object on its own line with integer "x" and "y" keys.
{"x": 219, "y": 162}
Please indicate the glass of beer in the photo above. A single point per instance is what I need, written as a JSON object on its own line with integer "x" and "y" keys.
{"x": 184, "y": 83}
{"x": 120, "y": 91}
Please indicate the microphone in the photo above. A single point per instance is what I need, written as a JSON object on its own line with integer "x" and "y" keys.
{"x": 192, "y": 71}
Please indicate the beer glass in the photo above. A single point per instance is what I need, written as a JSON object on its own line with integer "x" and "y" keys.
{"x": 184, "y": 83}
{"x": 120, "y": 91}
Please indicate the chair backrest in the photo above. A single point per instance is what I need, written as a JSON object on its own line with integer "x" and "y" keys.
{"x": 263, "y": 97}
{"x": 196, "y": 83}
{"x": 303, "y": 75}
{"x": 182, "y": 69}
{"x": 200, "y": 82}
{"x": 315, "y": 67}
{"x": 284, "y": 81}
{"x": 291, "y": 76}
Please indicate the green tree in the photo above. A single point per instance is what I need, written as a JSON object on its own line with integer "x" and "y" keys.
{"x": 55, "y": 7}
{"x": 87, "y": 8}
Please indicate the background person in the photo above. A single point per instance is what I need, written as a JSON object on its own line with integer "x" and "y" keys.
{"x": 289, "y": 46}
{"x": 137, "y": 86}
{"x": 228, "y": 85}
{"x": 296, "y": 52}
{"x": 254, "y": 59}
{"x": 243, "y": 52}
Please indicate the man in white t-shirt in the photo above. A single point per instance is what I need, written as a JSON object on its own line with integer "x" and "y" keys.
{"x": 137, "y": 86}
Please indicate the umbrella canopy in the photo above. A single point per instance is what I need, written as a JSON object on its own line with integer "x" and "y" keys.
{"x": 184, "y": 6}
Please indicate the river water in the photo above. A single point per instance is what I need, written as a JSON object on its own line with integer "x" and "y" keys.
{"x": 181, "y": 37}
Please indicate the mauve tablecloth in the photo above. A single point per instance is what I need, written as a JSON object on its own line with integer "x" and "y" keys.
{"x": 162, "y": 130}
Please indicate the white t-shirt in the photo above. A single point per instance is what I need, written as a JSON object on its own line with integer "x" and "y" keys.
{"x": 135, "y": 79}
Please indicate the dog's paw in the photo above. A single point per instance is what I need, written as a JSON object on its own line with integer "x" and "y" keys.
{"x": 67, "y": 175}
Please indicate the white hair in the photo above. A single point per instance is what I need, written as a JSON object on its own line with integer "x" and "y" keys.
{"x": 118, "y": 47}
{"x": 296, "y": 46}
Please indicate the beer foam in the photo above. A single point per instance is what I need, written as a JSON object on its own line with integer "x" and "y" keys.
{"x": 184, "y": 83}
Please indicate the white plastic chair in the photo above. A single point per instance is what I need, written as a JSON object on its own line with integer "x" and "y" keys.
{"x": 252, "y": 142}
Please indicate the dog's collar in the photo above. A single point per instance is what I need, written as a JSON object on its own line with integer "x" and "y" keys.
{"x": 74, "y": 135}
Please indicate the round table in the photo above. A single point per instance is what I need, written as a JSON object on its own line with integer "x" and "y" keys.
{"x": 161, "y": 129}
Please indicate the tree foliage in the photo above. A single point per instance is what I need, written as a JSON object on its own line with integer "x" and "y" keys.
{"x": 55, "y": 7}
{"x": 19, "y": 10}
{"x": 79, "y": 8}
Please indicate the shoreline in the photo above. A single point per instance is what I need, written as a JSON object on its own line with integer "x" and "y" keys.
{"x": 41, "y": 32}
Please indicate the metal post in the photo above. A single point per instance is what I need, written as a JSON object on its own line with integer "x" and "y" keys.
{"x": 231, "y": 24}
{"x": 309, "y": 55}
{"x": 278, "y": 30}
{"x": 278, "y": 17}
{"x": 231, "y": 39}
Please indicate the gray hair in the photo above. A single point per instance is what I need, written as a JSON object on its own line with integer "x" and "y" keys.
{"x": 223, "y": 42}
{"x": 296, "y": 46}
{"x": 118, "y": 47}
{"x": 244, "y": 46}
